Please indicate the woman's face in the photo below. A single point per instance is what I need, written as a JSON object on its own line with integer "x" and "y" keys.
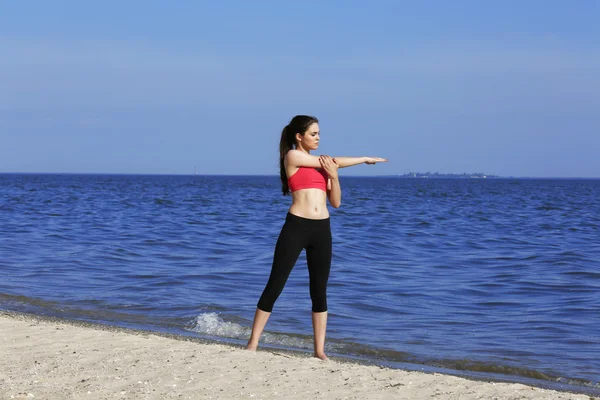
{"x": 310, "y": 139}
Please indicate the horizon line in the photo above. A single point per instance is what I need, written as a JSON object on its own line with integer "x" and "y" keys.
{"x": 492, "y": 176}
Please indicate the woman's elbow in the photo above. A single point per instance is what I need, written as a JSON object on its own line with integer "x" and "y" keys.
{"x": 336, "y": 204}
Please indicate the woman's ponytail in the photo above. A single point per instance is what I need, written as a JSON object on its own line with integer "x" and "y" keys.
{"x": 298, "y": 124}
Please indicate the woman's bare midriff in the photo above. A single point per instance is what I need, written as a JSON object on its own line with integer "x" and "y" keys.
{"x": 309, "y": 203}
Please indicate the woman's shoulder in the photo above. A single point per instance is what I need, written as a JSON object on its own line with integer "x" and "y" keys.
{"x": 298, "y": 158}
{"x": 299, "y": 155}
{"x": 293, "y": 153}
{"x": 292, "y": 156}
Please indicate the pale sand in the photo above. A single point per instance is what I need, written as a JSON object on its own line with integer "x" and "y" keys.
{"x": 53, "y": 359}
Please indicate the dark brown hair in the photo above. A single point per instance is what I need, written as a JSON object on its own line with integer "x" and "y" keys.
{"x": 298, "y": 124}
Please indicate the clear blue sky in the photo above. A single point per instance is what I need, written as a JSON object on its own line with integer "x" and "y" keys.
{"x": 506, "y": 87}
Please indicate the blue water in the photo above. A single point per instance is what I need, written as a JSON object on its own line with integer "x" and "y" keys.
{"x": 493, "y": 276}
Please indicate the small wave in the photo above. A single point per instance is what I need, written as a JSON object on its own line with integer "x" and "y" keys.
{"x": 167, "y": 283}
{"x": 212, "y": 324}
{"x": 141, "y": 276}
{"x": 163, "y": 201}
{"x": 548, "y": 208}
{"x": 583, "y": 274}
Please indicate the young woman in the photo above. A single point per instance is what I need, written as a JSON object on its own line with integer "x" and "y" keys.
{"x": 311, "y": 180}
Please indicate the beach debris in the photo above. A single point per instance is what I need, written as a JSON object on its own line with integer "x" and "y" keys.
{"x": 395, "y": 384}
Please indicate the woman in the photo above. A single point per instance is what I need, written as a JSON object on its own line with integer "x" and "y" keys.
{"x": 311, "y": 180}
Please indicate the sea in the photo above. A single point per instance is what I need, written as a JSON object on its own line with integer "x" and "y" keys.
{"x": 485, "y": 278}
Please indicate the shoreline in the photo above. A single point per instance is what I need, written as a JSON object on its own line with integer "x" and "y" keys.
{"x": 51, "y": 357}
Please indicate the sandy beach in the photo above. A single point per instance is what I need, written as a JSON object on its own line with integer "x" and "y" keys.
{"x": 45, "y": 358}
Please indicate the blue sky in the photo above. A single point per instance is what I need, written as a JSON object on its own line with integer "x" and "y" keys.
{"x": 508, "y": 87}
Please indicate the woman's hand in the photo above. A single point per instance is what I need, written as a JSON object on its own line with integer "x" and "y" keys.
{"x": 329, "y": 165}
{"x": 374, "y": 160}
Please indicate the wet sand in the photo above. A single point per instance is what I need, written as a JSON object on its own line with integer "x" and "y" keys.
{"x": 48, "y": 358}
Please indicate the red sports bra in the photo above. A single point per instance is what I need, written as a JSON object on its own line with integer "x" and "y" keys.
{"x": 308, "y": 178}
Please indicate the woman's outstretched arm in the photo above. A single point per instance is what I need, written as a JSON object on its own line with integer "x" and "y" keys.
{"x": 344, "y": 162}
{"x": 301, "y": 159}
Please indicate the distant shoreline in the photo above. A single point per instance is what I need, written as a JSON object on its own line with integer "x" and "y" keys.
{"x": 396, "y": 176}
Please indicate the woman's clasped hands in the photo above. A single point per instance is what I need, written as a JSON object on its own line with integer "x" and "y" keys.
{"x": 329, "y": 165}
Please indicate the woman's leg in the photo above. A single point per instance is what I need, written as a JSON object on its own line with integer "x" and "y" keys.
{"x": 287, "y": 250}
{"x": 318, "y": 257}
{"x": 260, "y": 320}
{"x": 319, "y": 321}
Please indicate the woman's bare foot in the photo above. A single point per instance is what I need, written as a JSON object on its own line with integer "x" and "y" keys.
{"x": 251, "y": 347}
{"x": 321, "y": 356}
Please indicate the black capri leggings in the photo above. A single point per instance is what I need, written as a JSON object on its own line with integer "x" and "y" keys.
{"x": 299, "y": 233}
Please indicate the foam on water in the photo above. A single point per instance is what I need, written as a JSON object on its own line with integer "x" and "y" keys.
{"x": 211, "y": 324}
